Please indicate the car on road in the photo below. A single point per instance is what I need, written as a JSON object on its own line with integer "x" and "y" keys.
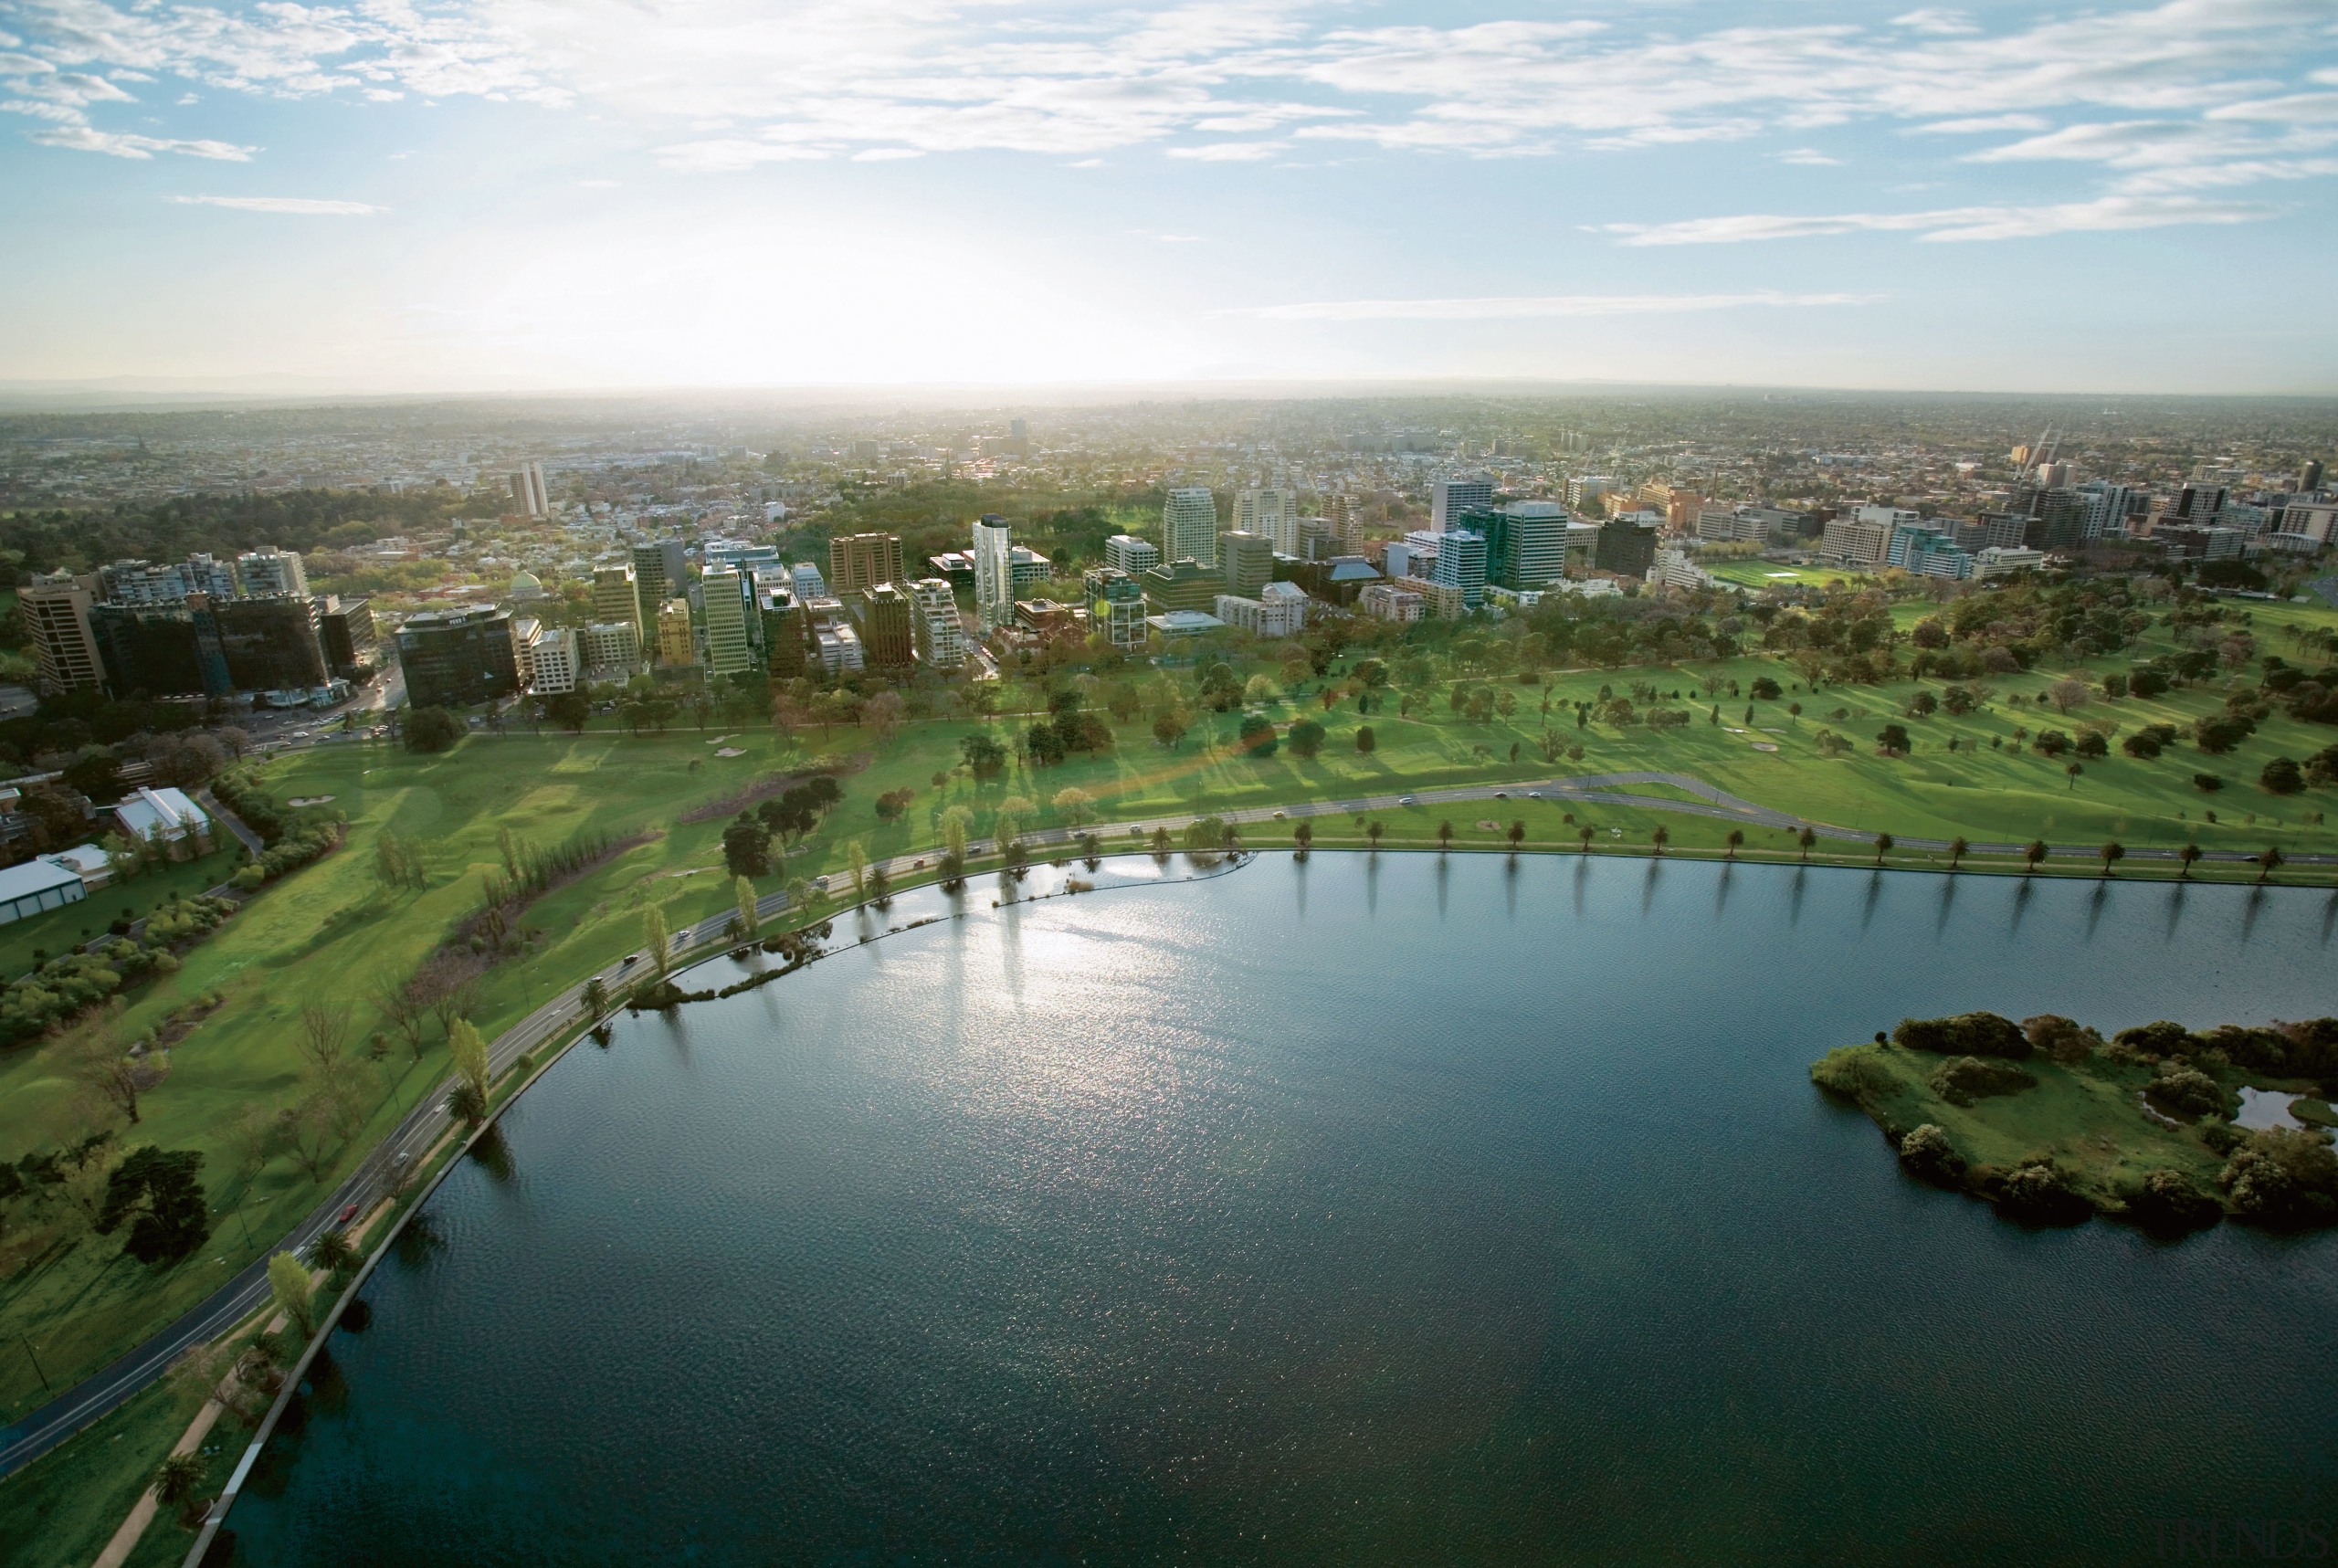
{"x": 1280, "y": 815}
{"x": 1533, "y": 795}
{"x": 1407, "y": 800}
{"x": 347, "y": 1214}
{"x": 1502, "y": 795}
{"x": 630, "y": 960}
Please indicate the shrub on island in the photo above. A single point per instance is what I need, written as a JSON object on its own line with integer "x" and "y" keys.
{"x": 1964, "y": 1034}
{"x": 1961, "y": 1080}
{"x": 2170, "y": 1205}
{"x": 1930, "y": 1157}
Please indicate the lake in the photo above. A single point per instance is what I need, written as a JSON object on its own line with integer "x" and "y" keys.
{"x": 1388, "y": 1209}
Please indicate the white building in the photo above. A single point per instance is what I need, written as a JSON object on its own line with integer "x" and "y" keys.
{"x": 730, "y": 643}
{"x": 1273, "y": 513}
{"x": 610, "y": 650}
{"x": 1189, "y": 526}
{"x": 555, "y": 666}
{"x": 166, "y": 817}
{"x": 1130, "y": 553}
{"x": 269, "y": 570}
{"x": 805, "y": 579}
{"x": 941, "y": 635}
{"x": 994, "y": 574}
{"x": 1673, "y": 569}
{"x": 39, "y": 885}
{"x": 1278, "y": 611}
{"x": 839, "y": 647}
{"x": 1449, "y": 497}
{"x": 2003, "y": 560}
{"x": 1386, "y": 600}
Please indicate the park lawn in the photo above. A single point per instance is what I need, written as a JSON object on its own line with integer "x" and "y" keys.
{"x": 331, "y": 932}
{"x": 2089, "y": 1119}
{"x": 60, "y": 930}
{"x": 60, "y": 1510}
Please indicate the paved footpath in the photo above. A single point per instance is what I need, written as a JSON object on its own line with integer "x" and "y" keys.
{"x": 561, "y": 1015}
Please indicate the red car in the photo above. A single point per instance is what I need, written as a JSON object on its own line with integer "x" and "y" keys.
{"x": 347, "y": 1214}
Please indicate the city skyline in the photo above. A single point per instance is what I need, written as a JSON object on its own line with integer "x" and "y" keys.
{"x": 2129, "y": 200}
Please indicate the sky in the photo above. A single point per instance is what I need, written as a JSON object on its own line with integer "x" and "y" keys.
{"x": 469, "y": 194}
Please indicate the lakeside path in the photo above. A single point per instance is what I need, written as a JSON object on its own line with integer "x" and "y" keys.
{"x": 385, "y": 1166}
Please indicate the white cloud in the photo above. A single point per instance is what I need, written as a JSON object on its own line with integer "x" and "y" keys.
{"x": 1230, "y": 151}
{"x": 118, "y": 144}
{"x": 1971, "y": 223}
{"x": 1936, "y": 20}
{"x": 1524, "y": 307}
{"x": 299, "y": 205}
{"x": 1809, "y": 157}
{"x": 1980, "y": 124}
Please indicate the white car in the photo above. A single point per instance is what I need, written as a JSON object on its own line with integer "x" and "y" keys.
{"x": 1533, "y": 795}
{"x": 1407, "y": 800}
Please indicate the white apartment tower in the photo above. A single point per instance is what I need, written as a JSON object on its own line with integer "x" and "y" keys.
{"x": 994, "y": 574}
{"x": 728, "y": 644}
{"x": 267, "y": 572}
{"x": 941, "y": 636}
{"x": 1189, "y": 526}
{"x": 1449, "y": 497}
{"x": 528, "y": 490}
{"x": 1271, "y": 512}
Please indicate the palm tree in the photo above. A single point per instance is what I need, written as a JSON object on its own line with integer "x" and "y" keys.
{"x": 1882, "y": 846}
{"x": 177, "y": 1480}
{"x": 2115, "y": 850}
{"x": 1737, "y": 837}
{"x": 2074, "y": 770}
{"x": 1517, "y": 835}
{"x": 1444, "y": 836}
{"x": 1584, "y": 834}
{"x": 1660, "y": 838}
{"x": 1373, "y": 830}
{"x": 2188, "y": 854}
{"x": 1957, "y": 850}
{"x": 2268, "y": 863}
{"x": 2035, "y": 853}
{"x": 331, "y": 1249}
{"x": 1161, "y": 841}
{"x": 1304, "y": 837}
{"x": 1806, "y": 837}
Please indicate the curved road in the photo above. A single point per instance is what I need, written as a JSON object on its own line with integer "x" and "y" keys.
{"x": 382, "y": 1169}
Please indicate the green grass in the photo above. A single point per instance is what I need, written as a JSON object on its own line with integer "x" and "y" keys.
{"x": 2088, "y": 1119}
{"x": 329, "y": 932}
{"x": 60, "y": 1510}
{"x": 60, "y": 930}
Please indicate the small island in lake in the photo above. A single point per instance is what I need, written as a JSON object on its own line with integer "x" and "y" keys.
{"x": 2053, "y": 1124}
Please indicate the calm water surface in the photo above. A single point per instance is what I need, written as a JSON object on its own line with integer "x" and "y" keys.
{"x": 1389, "y": 1210}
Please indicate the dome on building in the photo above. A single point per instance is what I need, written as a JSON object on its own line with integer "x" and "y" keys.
{"x": 527, "y": 585}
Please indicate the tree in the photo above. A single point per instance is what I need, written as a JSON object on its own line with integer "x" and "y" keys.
{"x": 177, "y": 1478}
{"x": 331, "y": 1251}
{"x": 2072, "y": 771}
{"x": 1365, "y": 740}
{"x": 1958, "y": 848}
{"x": 1307, "y": 738}
{"x": 1923, "y": 704}
{"x": 2111, "y": 852}
{"x": 1660, "y": 838}
{"x": 1584, "y": 835}
{"x": 466, "y": 1050}
{"x": 653, "y": 935}
{"x": 596, "y": 998}
{"x": 569, "y": 710}
{"x": 1169, "y": 728}
{"x": 1373, "y": 830}
{"x": 746, "y": 848}
{"x": 288, "y": 1282}
{"x": 1794, "y": 713}
{"x": 1735, "y": 841}
{"x": 2092, "y": 745}
{"x": 2282, "y": 776}
{"x": 2067, "y": 694}
{"x": 1256, "y": 735}
{"x": 94, "y": 1058}
{"x": 2268, "y": 860}
{"x": 985, "y": 758}
{"x": 158, "y": 1187}
{"x": 750, "y": 920}
{"x": 2050, "y": 743}
{"x": 1517, "y": 835}
{"x": 2189, "y": 854}
{"x": 1765, "y": 689}
{"x": 431, "y": 729}
{"x": 1805, "y": 838}
{"x": 402, "y": 1010}
{"x": 1304, "y": 837}
{"x": 1883, "y": 846}
{"x": 324, "y": 1030}
{"x": 2035, "y": 853}
{"x": 855, "y": 866}
{"x": 1444, "y": 836}
{"x": 1075, "y": 805}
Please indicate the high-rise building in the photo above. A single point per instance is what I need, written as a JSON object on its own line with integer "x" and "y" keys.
{"x": 556, "y": 664}
{"x": 1584, "y": 490}
{"x": 151, "y": 650}
{"x": 1248, "y": 560}
{"x": 611, "y": 649}
{"x": 56, "y": 610}
{"x": 730, "y": 642}
{"x": 1625, "y": 546}
{"x": 1271, "y": 513}
{"x": 269, "y": 570}
{"x": 2310, "y": 477}
{"x": 788, "y": 630}
{"x": 1182, "y": 585}
{"x": 677, "y": 642}
{"x": 617, "y": 596}
{"x": 994, "y": 574}
{"x": 1189, "y": 526}
{"x": 858, "y": 561}
{"x": 1526, "y": 542}
{"x": 1115, "y": 606}
{"x": 941, "y": 635}
{"x": 1127, "y": 552}
{"x": 352, "y": 645}
{"x": 1347, "y": 522}
{"x": 804, "y": 579}
{"x": 453, "y": 658}
{"x": 660, "y": 571}
{"x": 887, "y": 622}
{"x": 1461, "y": 564}
{"x": 528, "y": 492}
{"x": 1449, "y": 497}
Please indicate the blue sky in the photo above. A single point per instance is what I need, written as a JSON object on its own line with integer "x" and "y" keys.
{"x": 632, "y": 193}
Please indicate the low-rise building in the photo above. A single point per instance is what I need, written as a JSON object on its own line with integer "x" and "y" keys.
{"x": 1673, "y": 569}
{"x": 165, "y": 818}
{"x": 611, "y": 649}
{"x": 1439, "y": 601}
{"x": 1127, "y": 552}
{"x": 677, "y": 642}
{"x": 1390, "y": 602}
{"x": 1278, "y": 611}
{"x": 39, "y": 885}
{"x": 2001, "y": 561}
